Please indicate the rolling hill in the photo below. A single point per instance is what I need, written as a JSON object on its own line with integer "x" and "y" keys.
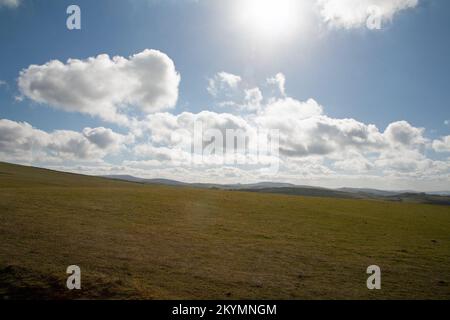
{"x": 141, "y": 241}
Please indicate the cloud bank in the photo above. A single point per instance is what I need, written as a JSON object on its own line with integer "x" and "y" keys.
{"x": 138, "y": 92}
{"x": 21, "y": 141}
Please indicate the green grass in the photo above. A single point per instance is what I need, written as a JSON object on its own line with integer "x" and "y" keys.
{"x": 155, "y": 242}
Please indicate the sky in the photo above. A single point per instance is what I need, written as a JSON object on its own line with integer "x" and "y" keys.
{"x": 355, "y": 91}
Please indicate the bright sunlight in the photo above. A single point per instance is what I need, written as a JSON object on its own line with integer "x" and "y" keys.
{"x": 269, "y": 18}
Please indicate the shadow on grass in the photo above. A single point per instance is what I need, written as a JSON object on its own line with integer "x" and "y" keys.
{"x": 18, "y": 283}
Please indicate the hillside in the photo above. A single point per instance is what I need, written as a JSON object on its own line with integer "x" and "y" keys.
{"x": 140, "y": 241}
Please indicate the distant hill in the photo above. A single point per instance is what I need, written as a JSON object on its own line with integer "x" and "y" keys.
{"x": 145, "y": 181}
{"x": 440, "y": 193}
{"x": 366, "y": 191}
{"x": 441, "y": 198}
{"x": 420, "y": 198}
{"x": 308, "y": 192}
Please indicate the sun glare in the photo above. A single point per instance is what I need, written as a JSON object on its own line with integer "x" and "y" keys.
{"x": 269, "y": 18}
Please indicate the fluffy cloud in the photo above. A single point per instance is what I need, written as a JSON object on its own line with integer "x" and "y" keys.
{"x": 231, "y": 91}
{"x": 280, "y": 81}
{"x": 403, "y": 134}
{"x": 354, "y": 162}
{"x": 20, "y": 141}
{"x": 106, "y": 139}
{"x": 355, "y": 13}
{"x": 16, "y": 137}
{"x": 289, "y": 109}
{"x": 305, "y": 130}
{"x": 412, "y": 164}
{"x": 442, "y": 145}
{"x": 253, "y": 99}
{"x": 306, "y": 133}
{"x": 162, "y": 126}
{"x": 9, "y": 3}
{"x": 348, "y": 145}
{"x": 223, "y": 82}
{"x": 106, "y": 87}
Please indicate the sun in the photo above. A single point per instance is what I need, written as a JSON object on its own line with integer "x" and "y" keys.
{"x": 269, "y": 18}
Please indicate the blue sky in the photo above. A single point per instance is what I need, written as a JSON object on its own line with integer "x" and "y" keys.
{"x": 380, "y": 77}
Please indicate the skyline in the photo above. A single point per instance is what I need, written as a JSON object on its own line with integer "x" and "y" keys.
{"x": 354, "y": 107}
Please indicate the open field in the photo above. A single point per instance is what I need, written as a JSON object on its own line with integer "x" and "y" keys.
{"x": 158, "y": 242}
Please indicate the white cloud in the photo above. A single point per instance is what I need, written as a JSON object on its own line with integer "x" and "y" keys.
{"x": 20, "y": 141}
{"x": 18, "y": 137}
{"x": 223, "y": 82}
{"x": 231, "y": 91}
{"x": 106, "y": 139}
{"x": 306, "y": 134}
{"x": 280, "y": 81}
{"x": 105, "y": 87}
{"x": 302, "y": 127}
{"x": 354, "y": 162}
{"x": 253, "y": 99}
{"x": 306, "y": 131}
{"x": 162, "y": 126}
{"x": 442, "y": 145}
{"x": 355, "y": 13}
{"x": 403, "y": 134}
{"x": 10, "y": 3}
{"x": 411, "y": 163}
{"x": 280, "y": 110}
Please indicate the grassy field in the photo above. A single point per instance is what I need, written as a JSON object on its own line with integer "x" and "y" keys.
{"x": 135, "y": 241}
